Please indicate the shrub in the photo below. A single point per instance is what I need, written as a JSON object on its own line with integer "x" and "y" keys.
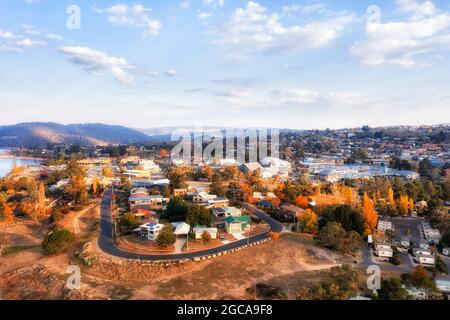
{"x": 129, "y": 220}
{"x": 206, "y": 237}
{"x": 57, "y": 241}
{"x": 166, "y": 236}
{"x": 441, "y": 267}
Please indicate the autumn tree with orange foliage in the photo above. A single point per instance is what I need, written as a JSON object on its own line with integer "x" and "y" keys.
{"x": 302, "y": 202}
{"x": 309, "y": 222}
{"x": 403, "y": 205}
{"x": 276, "y": 202}
{"x": 370, "y": 215}
{"x": 347, "y": 194}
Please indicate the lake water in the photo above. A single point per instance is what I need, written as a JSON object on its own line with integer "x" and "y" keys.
{"x": 6, "y": 164}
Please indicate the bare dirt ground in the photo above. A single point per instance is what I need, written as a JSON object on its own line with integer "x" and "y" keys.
{"x": 288, "y": 263}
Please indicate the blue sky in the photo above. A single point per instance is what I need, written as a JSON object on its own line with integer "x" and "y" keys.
{"x": 288, "y": 64}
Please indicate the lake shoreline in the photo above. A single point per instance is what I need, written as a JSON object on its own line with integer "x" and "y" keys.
{"x": 11, "y": 156}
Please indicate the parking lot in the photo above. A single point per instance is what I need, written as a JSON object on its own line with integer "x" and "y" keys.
{"x": 408, "y": 227}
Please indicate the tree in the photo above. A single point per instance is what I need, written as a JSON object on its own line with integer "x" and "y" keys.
{"x": 349, "y": 218}
{"x": 370, "y": 215}
{"x": 440, "y": 265}
{"x": 309, "y": 222}
{"x": 392, "y": 290}
{"x": 95, "y": 186}
{"x": 41, "y": 207}
{"x": 57, "y": 240}
{"x": 333, "y": 236}
{"x": 206, "y": 237}
{"x": 198, "y": 215}
{"x": 177, "y": 209}
{"x": 392, "y": 208}
{"x": 403, "y": 205}
{"x": 426, "y": 169}
{"x": 165, "y": 192}
{"x": 129, "y": 220}
{"x": 302, "y": 202}
{"x": 77, "y": 190}
{"x": 166, "y": 236}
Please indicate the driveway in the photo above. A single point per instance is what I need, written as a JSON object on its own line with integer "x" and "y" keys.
{"x": 106, "y": 243}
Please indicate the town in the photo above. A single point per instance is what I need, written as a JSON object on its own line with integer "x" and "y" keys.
{"x": 344, "y": 200}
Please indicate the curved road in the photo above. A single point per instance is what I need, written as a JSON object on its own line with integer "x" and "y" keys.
{"x": 106, "y": 243}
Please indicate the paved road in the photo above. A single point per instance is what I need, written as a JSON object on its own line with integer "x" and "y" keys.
{"x": 106, "y": 243}
{"x": 405, "y": 267}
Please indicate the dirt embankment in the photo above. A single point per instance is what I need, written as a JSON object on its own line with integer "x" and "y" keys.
{"x": 288, "y": 263}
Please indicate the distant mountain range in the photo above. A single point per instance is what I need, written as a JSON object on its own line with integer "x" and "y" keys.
{"x": 40, "y": 134}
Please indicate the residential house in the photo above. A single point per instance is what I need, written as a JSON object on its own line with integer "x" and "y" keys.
{"x": 180, "y": 192}
{"x": 384, "y": 250}
{"x": 198, "y": 232}
{"x": 226, "y": 212}
{"x": 150, "y": 231}
{"x": 237, "y": 224}
{"x": 291, "y": 209}
{"x": 385, "y": 225}
{"x": 219, "y": 202}
{"x": 147, "y": 202}
{"x": 203, "y": 197}
{"x": 425, "y": 259}
{"x": 181, "y": 228}
{"x": 418, "y": 251}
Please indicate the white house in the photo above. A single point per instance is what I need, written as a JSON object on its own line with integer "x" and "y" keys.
{"x": 419, "y": 251}
{"x": 383, "y": 250}
{"x": 150, "y": 231}
{"x": 425, "y": 259}
{"x": 198, "y": 232}
{"x": 385, "y": 225}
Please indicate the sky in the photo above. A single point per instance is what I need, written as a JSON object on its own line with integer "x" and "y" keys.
{"x": 286, "y": 64}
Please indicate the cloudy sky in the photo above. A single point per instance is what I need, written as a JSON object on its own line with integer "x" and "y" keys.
{"x": 287, "y": 64}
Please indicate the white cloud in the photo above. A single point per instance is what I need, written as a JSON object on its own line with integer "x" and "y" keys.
{"x": 313, "y": 97}
{"x": 426, "y": 30}
{"x": 136, "y": 16}
{"x": 254, "y": 29}
{"x": 204, "y": 15}
{"x": 171, "y": 73}
{"x": 31, "y": 1}
{"x": 54, "y": 36}
{"x": 185, "y": 4}
{"x": 4, "y": 34}
{"x": 97, "y": 62}
{"x": 28, "y": 43}
{"x": 215, "y": 3}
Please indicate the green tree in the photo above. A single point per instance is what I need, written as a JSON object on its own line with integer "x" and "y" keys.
{"x": 392, "y": 290}
{"x": 349, "y": 218}
{"x": 198, "y": 215}
{"x": 333, "y": 236}
{"x": 177, "y": 209}
{"x": 166, "y": 236}
{"x": 57, "y": 240}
